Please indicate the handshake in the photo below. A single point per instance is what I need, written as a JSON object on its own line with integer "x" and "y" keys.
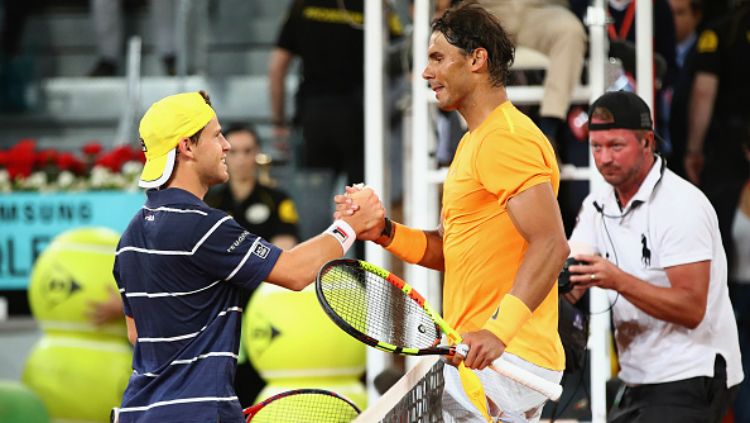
{"x": 361, "y": 208}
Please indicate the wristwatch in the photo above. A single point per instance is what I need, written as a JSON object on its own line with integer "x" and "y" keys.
{"x": 388, "y": 228}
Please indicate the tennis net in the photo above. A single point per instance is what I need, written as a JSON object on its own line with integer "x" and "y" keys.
{"x": 415, "y": 398}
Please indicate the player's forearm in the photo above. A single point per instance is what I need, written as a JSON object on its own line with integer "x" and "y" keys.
{"x": 414, "y": 246}
{"x": 433, "y": 257}
{"x": 539, "y": 269}
{"x": 298, "y": 267}
{"x": 700, "y": 110}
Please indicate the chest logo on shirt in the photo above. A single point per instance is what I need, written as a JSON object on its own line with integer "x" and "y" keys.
{"x": 645, "y": 251}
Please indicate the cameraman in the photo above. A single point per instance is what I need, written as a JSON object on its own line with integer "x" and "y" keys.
{"x": 662, "y": 259}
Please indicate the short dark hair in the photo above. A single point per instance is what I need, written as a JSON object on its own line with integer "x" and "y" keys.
{"x": 696, "y": 6}
{"x": 196, "y": 136}
{"x": 469, "y": 26}
{"x": 242, "y": 127}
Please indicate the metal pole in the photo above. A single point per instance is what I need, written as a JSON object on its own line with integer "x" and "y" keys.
{"x": 596, "y": 19}
{"x": 644, "y": 50}
{"x": 375, "y": 130}
{"x": 126, "y": 126}
{"x": 421, "y": 206}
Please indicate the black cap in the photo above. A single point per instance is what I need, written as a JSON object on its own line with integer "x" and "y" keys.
{"x": 625, "y": 111}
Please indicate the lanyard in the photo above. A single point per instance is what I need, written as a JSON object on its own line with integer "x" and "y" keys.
{"x": 627, "y": 22}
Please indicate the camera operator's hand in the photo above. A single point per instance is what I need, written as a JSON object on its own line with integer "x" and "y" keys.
{"x": 597, "y": 271}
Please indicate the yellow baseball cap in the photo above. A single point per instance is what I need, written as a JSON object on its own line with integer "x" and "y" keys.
{"x": 165, "y": 123}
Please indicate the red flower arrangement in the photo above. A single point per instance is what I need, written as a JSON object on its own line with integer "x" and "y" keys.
{"x": 23, "y": 167}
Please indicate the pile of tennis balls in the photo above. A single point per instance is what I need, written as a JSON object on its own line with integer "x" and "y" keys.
{"x": 78, "y": 369}
{"x": 293, "y": 344}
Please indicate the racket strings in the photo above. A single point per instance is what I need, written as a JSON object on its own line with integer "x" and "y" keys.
{"x": 376, "y": 308}
{"x": 309, "y": 407}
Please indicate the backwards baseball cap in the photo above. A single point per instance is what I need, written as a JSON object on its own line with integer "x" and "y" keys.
{"x": 165, "y": 123}
{"x": 620, "y": 110}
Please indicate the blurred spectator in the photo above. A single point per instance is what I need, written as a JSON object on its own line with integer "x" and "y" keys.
{"x": 622, "y": 36}
{"x": 329, "y": 40}
{"x": 14, "y": 69}
{"x": 107, "y": 19}
{"x": 717, "y": 115}
{"x": 549, "y": 27}
{"x": 622, "y": 46}
{"x": 263, "y": 211}
{"x": 687, "y": 18}
{"x": 740, "y": 289}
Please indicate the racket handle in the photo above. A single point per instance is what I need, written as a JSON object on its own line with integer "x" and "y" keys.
{"x": 462, "y": 350}
{"x": 549, "y": 389}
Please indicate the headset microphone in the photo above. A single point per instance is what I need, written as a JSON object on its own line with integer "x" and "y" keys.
{"x": 600, "y": 209}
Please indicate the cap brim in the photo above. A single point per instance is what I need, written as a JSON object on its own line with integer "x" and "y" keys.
{"x": 157, "y": 170}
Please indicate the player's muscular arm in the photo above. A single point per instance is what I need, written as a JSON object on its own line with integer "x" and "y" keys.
{"x": 536, "y": 215}
{"x": 433, "y": 256}
{"x": 296, "y": 268}
{"x": 432, "y": 253}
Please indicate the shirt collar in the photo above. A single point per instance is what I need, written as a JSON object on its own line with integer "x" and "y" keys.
{"x": 163, "y": 197}
{"x": 643, "y": 195}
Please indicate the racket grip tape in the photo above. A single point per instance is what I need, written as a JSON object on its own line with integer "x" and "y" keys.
{"x": 545, "y": 387}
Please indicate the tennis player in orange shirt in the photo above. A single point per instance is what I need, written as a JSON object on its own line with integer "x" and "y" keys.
{"x": 501, "y": 241}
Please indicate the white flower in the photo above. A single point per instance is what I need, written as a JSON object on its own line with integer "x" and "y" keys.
{"x": 5, "y": 185}
{"x": 65, "y": 179}
{"x": 100, "y": 175}
{"x": 36, "y": 180}
{"x": 132, "y": 168}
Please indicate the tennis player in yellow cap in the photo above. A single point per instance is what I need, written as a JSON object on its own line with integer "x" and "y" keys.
{"x": 183, "y": 269}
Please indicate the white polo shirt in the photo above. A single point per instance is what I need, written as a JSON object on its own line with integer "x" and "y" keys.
{"x": 668, "y": 222}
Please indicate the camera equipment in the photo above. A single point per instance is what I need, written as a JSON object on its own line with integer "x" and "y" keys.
{"x": 563, "y": 281}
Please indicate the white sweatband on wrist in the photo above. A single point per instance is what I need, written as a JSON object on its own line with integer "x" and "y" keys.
{"x": 343, "y": 233}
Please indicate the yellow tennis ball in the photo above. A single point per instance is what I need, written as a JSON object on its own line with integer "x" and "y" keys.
{"x": 18, "y": 403}
{"x": 72, "y": 272}
{"x": 288, "y": 335}
{"x": 349, "y": 388}
{"x": 78, "y": 379}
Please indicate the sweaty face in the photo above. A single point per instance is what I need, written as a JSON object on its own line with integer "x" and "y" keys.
{"x": 210, "y": 157}
{"x": 619, "y": 155}
{"x": 448, "y": 72}
{"x": 241, "y": 158}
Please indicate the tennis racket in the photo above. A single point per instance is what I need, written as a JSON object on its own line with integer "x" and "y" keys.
{"x": 381, "y": 310}
{"x": 303, "y": 405}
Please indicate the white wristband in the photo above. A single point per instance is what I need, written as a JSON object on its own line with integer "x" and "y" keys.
{"x": 343, "y": 233}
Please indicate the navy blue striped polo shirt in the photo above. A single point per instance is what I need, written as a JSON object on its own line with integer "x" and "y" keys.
{"x": 183, "y": 270}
